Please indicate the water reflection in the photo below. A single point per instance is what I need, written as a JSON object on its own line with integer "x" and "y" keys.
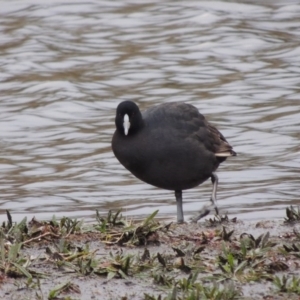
{"x": 64, "y": 68}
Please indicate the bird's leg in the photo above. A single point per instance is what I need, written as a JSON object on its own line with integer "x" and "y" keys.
{"x": 205, "y": 210}
{"x": 213, "y": 199}
{"x": 178, "y": 195}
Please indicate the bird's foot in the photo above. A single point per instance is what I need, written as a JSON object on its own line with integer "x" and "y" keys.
{"x": 205, "y": 210}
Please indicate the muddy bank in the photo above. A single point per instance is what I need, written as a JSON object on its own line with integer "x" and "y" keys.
{"x": 117, "y": 258}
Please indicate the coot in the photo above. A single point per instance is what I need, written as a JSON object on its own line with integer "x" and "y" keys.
{"x": 170, "y": 146}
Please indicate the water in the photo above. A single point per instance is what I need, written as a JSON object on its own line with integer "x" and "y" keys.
{"x": 65, "y": 66}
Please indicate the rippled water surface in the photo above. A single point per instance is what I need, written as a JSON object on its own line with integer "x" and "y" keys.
{"x": 65, "y": 66}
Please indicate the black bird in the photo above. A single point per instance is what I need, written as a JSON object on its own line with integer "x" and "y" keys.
{"x": 170, "y": 146}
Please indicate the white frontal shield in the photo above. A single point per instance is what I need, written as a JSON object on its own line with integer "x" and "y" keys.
{"x": 126, "y": 124}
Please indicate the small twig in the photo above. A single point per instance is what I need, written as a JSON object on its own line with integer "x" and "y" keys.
{"x": 40, "y": 236}
{"x": 68, "y": 234}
